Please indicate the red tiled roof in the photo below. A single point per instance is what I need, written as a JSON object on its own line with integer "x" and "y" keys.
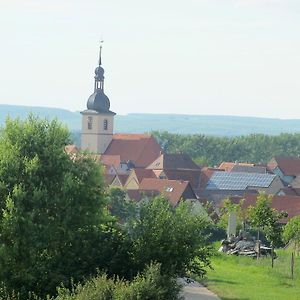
{"x": 290, "y": 166}
{"x": 110, "y": 160}
{"x": 172, "y": 189}
{"x": 290, "y": 204}
{"x": 141, "y": 149}
{"x": 108, "y": 179}
{"x": 192, "y": 176}
{"x": 173, "y": 162}
{"x": 123, "y": 178}
{"x": 134, "y": 195}
{"x": 143, "y": 173}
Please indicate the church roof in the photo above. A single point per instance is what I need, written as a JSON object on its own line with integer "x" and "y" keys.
{"x": 99, "y": 102}
{"x": 141, "y": 149}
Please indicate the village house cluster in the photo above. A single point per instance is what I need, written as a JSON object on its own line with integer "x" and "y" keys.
{"x": 137, "y": 163}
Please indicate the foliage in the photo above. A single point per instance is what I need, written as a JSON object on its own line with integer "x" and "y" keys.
{"x": 291, "y": 231}
{"x": 174, "y": 237}
{"x": 150, "y": 285}
{"x": 54, "y": 210}
{"x": 238, "y": 277}
{"x": 212, "y": 150}
{"x": 119, "y": 206}
{"x": 262, "y": 216}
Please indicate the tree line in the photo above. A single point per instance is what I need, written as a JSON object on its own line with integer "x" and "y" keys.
{"x": 212, "y": 150}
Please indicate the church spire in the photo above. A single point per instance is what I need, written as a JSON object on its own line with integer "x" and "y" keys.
{"x": 99, "y": 72}
{"x": 100, "y": 53}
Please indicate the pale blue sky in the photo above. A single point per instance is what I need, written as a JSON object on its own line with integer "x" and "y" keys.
{"x": 225, "y": 57}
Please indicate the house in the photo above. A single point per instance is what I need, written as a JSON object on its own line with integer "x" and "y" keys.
{"x": 287, "y": 168}
{"x": 174, "y": 190}
{"x": 136, "y": 176}
{"x": 192, "y": 176}
{"x": 289, "y": 204}
{"x": 119, "y": 180}
{"x": 224, "y": 184}
{"x": 173, "y": 162}
{"x": 242, "y": 167}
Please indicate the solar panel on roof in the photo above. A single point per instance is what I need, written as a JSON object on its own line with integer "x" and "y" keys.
{"x": 239, "y": 180}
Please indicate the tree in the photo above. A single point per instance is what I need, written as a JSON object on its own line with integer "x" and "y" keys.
{"x": 119, "y": 206}
{"x": 291, "y": 232}
{"x": 173, "y": 237}
{"x": 265, "y": 218}
{"x": 53, "y": 225}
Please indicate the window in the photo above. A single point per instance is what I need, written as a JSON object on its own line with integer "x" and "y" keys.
{"x": 105, "y": 124}
{"x": 169, "y": 189}
{"x": 90, "y": 123}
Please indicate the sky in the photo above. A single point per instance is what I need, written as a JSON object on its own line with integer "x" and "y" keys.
{"x": 206, "y": 57}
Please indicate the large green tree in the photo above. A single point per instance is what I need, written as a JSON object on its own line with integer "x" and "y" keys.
{"x": 53, "y": 224}
{"x": 174, "y": 237}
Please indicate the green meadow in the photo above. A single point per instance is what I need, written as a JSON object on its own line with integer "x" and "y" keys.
{"x": 244, "y": 278}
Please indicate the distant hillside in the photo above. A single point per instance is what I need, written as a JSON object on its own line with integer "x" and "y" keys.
{"x": 183, "y": 124}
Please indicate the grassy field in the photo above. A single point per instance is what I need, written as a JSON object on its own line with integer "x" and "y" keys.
{"x": 242, "y": 278}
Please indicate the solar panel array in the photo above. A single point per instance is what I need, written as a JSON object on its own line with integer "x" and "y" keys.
{"x": 238, "y": 181}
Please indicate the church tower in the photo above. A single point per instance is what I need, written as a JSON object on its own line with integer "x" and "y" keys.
{"x": 97, "y": 119}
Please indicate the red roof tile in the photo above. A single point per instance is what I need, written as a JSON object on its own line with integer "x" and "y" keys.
{"x": 290, "y": 166}
{"x": 174, "y": 190}
{"x": 143, "y": 173}
{"x": 290, "y": 204}
{"x": 123, "y": 178}
{"x": 141, "y": 149}
{"x": 192, "y": 176}
{"x": 173, "y": 162}
{"x": 110, "y": 160}
{"x": 134, "y": 195}
{"x": 108, "y": 179}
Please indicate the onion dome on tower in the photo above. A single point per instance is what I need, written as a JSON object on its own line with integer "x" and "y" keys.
{"x": 98, "y": 101}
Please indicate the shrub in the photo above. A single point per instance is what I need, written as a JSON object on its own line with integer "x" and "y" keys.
{"x": 150, "y": 285}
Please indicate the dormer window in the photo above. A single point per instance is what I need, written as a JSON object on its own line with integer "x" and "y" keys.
{"x": 90, "y": 123}
{"x": 105, "y": 124}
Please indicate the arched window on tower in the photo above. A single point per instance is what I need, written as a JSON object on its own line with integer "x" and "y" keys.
{"x": 90, "y": 123}
{"x": 105, "y": 124}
